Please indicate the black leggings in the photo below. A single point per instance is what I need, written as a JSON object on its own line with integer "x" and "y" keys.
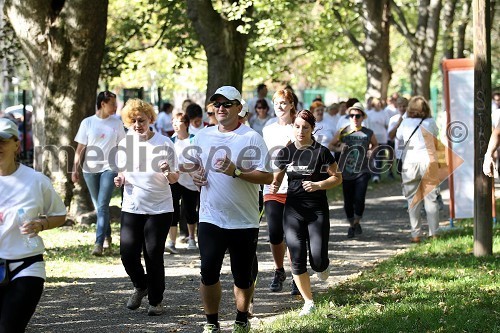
{"x": 354, "y": 196}
{"x": 18, "y": 301}
{"x": 274, "y": 216}
{"x": 145, "y": 233}
{"x": 213, "y": 242}
{"x": 307, "y": 227}
{"x": 190, "y": 201}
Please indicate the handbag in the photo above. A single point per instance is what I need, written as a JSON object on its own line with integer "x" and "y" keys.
{"x": 4, "y": 272}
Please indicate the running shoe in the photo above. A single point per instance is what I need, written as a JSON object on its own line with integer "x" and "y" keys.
{"x": 323, "y": 276}
{"x": 350, "y": 232}
{"x": 277, "y": 284}
{"x": 170, "y": 248}
{"x": 295, "y": 290}
{"x": 192, "y": 244}
{"x": 155, "y": 310}
{"x": 211, "y": 328}
{"x": 240, "y": 327}
{"x": 97, "y": 251}
{"x": 135, "y": 299}
{"x": 307, "y": 309}
{"x": 357, "y": 229}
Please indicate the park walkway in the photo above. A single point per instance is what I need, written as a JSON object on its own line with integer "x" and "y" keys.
{"x": 98, "y": 304}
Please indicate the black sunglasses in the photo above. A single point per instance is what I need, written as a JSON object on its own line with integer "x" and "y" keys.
{"x": 210, "y": 113}
{"x": 226, "y": 105}
{"x": 357, "y": 116}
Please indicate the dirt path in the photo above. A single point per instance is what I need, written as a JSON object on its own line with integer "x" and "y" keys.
{"x": 98, "y": 304}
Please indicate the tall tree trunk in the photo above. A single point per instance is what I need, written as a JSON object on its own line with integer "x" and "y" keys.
{"x": 224, "y": 45}
{"x": 449, "y": 8}
{"x": 422, "y": 43}
{"x": 377, "y": 47}
{"x": 462, "y": 27}
{"x": 63, "y": 41}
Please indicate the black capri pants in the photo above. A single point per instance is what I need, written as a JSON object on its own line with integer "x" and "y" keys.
{"x": 190, "y": 200}
{"x": 274, "y": 216}
{"x": 18, "y": 301}
{"x": 213, "y": 242}
{"x": 355, "y": 196}
{"x": 307, "y": 228}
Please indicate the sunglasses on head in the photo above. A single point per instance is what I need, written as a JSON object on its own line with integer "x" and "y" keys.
{"x": 226, "y": 105}
{"x": 357, "y": 116}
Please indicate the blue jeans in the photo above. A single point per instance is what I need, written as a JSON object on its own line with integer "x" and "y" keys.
{"x": 101, "y": 186}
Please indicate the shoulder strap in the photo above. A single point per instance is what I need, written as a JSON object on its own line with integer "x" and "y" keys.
{"x": 416, "y": 128}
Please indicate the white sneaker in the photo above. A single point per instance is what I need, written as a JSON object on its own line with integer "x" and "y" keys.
{"x": 192, "y": 244}
{"x": 323, "y": 276}
{"x": 170, "y": 248}
{"x": 307, "y": 309}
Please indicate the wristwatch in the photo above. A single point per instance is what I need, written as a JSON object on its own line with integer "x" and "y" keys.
{"x": 236, "y": 172}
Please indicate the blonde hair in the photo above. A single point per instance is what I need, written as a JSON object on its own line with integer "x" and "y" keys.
{"x": 133, "y": 107}
{"x": 418, "y": 107}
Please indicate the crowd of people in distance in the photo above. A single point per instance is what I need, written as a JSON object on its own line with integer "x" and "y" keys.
{"x": 207, "y": 176}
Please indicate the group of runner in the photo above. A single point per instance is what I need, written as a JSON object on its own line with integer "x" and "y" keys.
{"x": 224, "y": 165}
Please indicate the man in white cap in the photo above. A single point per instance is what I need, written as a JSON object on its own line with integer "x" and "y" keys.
{"x": 232, "y": 161}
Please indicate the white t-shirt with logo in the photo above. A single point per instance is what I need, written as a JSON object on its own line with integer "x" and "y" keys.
{"x": 33, "y": 192}
{"x": 146, "y": 189}
{"x": 230, "y": 203}
{"x": 277, "y": 137}
{"x": 100, "y": 136}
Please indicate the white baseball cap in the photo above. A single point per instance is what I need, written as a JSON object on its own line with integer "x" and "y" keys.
{"x": 244, "y": 108}
{"x": 231, "y": 93}
{"x": 8, "y": 129}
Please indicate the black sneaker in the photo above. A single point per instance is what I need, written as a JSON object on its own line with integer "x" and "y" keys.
{"x": 295, "y": 291}
{"x": 277, "y": 284}
{"x": 357, "y": 229}
{"x": 350, "y": 232}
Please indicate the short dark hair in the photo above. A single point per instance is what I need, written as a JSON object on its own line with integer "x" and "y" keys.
{"x": 351, "y": 101}
{"x": 166, "y": 106}
{"x": 261, "y": 86}
{"x": 104, "y": 96}
{"x": 194, "y": 111}
{"x": 262, "y": 102}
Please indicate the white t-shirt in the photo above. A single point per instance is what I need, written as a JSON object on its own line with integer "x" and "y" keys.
{"x": 194, "y": 130}
{"x": 146, "y": 189}
{"x": 323, "y": 133}
{"x": 99, "y": 136}
{"x": 397, "y": 143}
{"x": 164, "y": 122}
{"x": 230, "y": 203}
{"x": 182, "y": 147}
{"x": 331, "y": 120}
{"x": 378, "y": 122}
{"x": 33, "y": 192}
{"x": 276, "y": 137}
{"x": 416, "y": 151}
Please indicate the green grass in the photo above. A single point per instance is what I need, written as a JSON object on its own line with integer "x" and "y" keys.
{"x": 437, "y": 286}
{"x": 68, "y": 254}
